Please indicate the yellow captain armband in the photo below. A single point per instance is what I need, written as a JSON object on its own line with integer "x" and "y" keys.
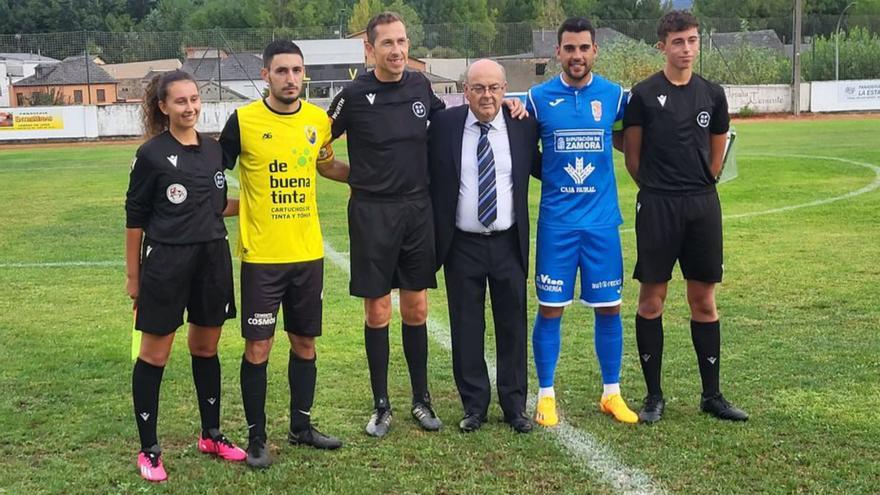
{"x": 326, "y": 153}
{"x": 618, "y": 126}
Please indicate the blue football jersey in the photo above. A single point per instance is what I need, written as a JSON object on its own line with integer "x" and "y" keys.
{"x": 578, "y": 186}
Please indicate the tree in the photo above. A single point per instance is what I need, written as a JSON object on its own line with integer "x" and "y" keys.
{"x": 551, "y": 14}
{"x": 362, "y": 12}
{"x": 229, "y": 14}
{"x": 631, "y": 9}
{"x": 169, "y": 15}
{"x": 414, "y": 29}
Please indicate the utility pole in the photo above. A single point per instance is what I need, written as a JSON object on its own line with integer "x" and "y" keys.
{"x": 797, "y": 36}
{"x": 837, "y": 43}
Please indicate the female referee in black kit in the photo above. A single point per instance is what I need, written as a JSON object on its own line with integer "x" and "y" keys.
{"x": 177, "y": 258}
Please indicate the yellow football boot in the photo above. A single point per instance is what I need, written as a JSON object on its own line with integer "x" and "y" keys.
{"x": 616, "y": 406}
{"x": 545, "y": 412}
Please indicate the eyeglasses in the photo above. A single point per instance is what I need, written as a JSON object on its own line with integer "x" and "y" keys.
{"x": 480, "y": 89}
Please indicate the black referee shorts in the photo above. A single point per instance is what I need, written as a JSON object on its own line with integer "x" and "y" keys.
{"x": 392, "y": 245}
{"x": 297, "y": 287}
{"x": 682, "y": 228}
{"x": 196, "y": 277}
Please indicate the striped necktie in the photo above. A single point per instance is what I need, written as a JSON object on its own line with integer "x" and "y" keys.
{"x": 487, "y": 204}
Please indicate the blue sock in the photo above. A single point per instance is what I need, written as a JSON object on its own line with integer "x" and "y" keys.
{"x": 546, "y": 343}
{"x": 609, "y": 346}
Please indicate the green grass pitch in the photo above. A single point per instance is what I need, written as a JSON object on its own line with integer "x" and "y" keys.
{"x": 801, "y": 353}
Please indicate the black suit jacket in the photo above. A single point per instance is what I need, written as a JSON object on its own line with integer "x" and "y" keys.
{"x": 444, "y": 162}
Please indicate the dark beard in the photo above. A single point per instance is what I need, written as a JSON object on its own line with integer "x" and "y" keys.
{"x": 578, "y": 79}
{"x": 286, "y": 100}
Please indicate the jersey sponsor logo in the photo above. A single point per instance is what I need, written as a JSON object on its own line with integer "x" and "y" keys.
{"x": 338, "y": 109}
{"x": 557, "y": 101}
{"x": 419, "y": 109}
{"x": 211, "y": 400}
{"x": 646, "y": 357}
{"x": 579, "y": 174}
{"x": 261, "y": 319}
{"x": 711, "y": 359}
{"x": 172, "y": 159}
{"x": 703, "y": 119}
{"x": 149, "y": 250}
{"x": 286, "y": 189}
{"x": 579, "y": 140}
{"x": 371, "y": 97}
{"x": 311, "y": 134}
{"x": 547, "y": 283}
{"x": 662, "y": 100}
{"x": 176, "y": 193}
{"x": 604, "y": 284}
{"x": 219, "y": 180}
{"x": 267, "y": 135}
{"x": 596, "y": 106}
{"x": 144, "y": 415}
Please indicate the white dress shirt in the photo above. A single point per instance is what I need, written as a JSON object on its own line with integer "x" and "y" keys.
{"x": 466, "y": 217}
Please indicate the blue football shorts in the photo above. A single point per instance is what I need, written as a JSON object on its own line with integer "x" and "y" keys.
{"x": 596, "y": 252}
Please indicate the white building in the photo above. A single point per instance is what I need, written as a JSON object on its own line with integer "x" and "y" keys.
{"x": 15, "y": 67}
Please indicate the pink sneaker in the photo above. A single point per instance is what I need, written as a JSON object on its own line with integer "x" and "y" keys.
{"x": 222, "y": 448}
{"x": 150, "y": 466}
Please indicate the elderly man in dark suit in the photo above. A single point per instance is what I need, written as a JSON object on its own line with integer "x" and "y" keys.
{"x": 480, "y": 160}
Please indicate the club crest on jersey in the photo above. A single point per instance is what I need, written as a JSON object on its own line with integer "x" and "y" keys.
{"x": 419, "y": 109}
{"x": 219, "y": 180}
{"x": 596, "y": 106}
{"x": 311, "y": 134}
{"x": 176, "y": 193}
{"x": 579, "y": 140}
{"x": 703, "y": 119}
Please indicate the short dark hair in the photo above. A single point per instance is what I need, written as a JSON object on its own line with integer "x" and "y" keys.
{"x": 675, "y": 21}
{"x": 278, "y": 47}
{"x": 576, "y": 25}
{"x": 386, "y": 17}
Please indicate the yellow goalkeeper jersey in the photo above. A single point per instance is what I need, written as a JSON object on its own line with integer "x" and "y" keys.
{"x": 278, "y": 211}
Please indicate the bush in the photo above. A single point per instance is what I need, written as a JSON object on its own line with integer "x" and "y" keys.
{"x": 859, "y": 56}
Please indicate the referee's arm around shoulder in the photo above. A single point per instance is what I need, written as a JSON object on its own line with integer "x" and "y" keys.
{"x": 633, "y": 120}
{"x": 632, "y": 150}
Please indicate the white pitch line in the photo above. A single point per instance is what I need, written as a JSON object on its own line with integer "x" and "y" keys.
{"x": 587, "y": 449}
{"x": 819, "y": 202}
{"x": 61, "y": 264}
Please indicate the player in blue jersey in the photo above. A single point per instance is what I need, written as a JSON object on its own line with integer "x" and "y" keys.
{"x": 580, "y": 118}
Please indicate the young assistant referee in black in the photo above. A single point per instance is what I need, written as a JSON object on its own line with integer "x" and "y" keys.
{"x": 676, "y": 127}
{"x": 177, "y": 258}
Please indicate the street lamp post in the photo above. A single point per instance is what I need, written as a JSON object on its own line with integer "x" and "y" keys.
{"x": 837, "y": 42}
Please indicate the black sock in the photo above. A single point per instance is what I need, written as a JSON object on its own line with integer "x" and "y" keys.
{"x": 415, "y": 348}
{"x": 376, "y": 342}
{"x": 707, "y": 344}
{"x": 206, "y": 376}
{"x": 253, "y": 397}
{"x": 649, "y": 340}
{"x": 145, "y": 382}
{"x": 301, "y": 374}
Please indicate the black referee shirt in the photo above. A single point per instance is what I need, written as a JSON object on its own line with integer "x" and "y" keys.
{"x": 387, "y": 128}
{"x": 177, "y": 193}
{"x": 676, "y": 125}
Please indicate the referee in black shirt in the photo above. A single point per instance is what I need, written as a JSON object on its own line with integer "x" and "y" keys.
{"x": 385, "y": 115}
{"x": 177, "y": 259}
{"x": 676, "y": 127}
